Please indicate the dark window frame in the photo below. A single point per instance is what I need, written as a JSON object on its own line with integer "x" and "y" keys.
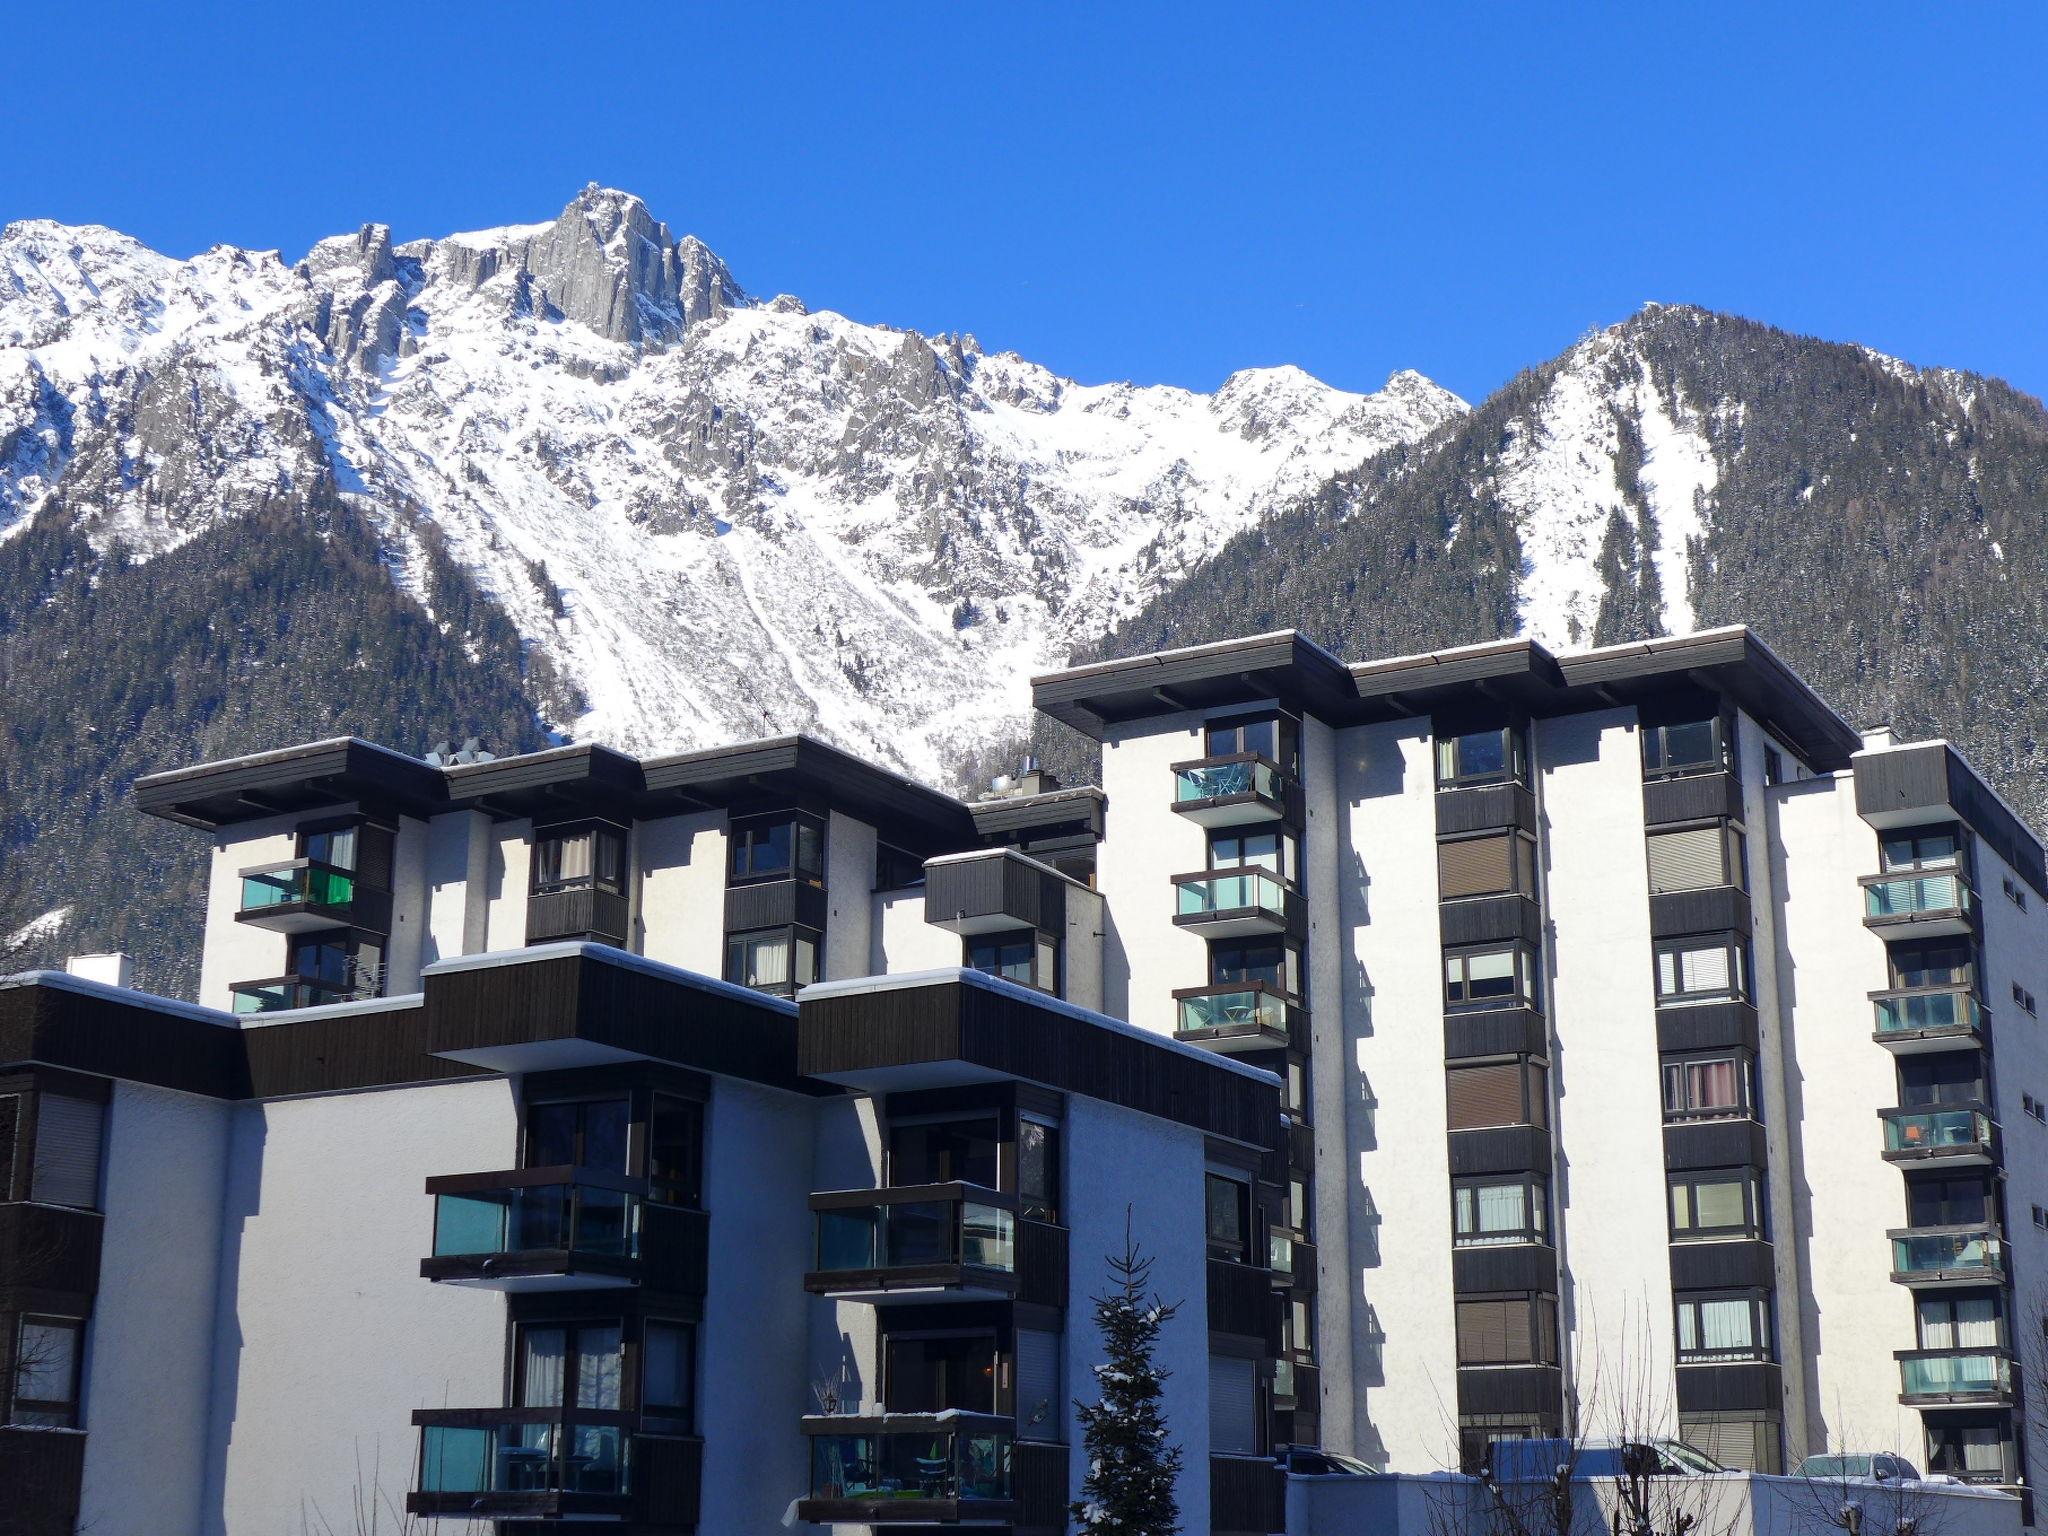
{"x": 579, "y": 1136}
{"x": 607, "y": 848}
{"x": 1542, "y": 1327}
{"x": 1535, "y": 1227}
{"x": 1753, "y": 1223}
{"x": 1041, "y": 1204}
{"x": 687, "y": 1418}
{"x": 1948, "y": 1299}
{"x": 890, "y": 1395}
{"x": 571, "y": 1328}
{"x": 793, "y": 934}
{"x": 45, "y": 1412}
{"x": 1732, "y": 944}
{"x": 745, "y": 836}
{"x": 1449, "y": 754}
{"x": 1763, "y": 1345}
{"x": 1661, "y": 760}
{"x": 1243, "y": 1248}
{"x": 1524, "y": 993}
{"x": 1044, "y": 954}
{"x": 894, "y": 868}
{"x": 1924, "y": 858}
{"x": 1287, "y": 978}
{"x": 1745, "y": 1069}
{"x": 1218, "y": 735}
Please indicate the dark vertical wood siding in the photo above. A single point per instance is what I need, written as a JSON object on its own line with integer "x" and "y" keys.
{"x": 1247, "y": 1496}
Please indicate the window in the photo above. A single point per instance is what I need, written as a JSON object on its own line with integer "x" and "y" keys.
{"x": 1499, "y": 976}
{"x": 1513, "y": 1330}
{"x": 1498, "y": 864}
{"x": 1039, "y": 1399}
{"x": 1038, "y": 1171}
{"x": 583, "y": 1133}
{"x": 1774, "y": 766}
{"x": 1697, "y": 858}
{"x": 1229, "y": 1203}
{"x": 1690, "y": 746}
{"x": 2023, "y": 997}
{"x": 349, "y": 964}
{"x": 1949, "y": 1200}
{"x": 330, "y": 845}
{"x": 10, "y": 1130}
{"x": 668, "y": 1371}
{"x": 2013, "y": 893}
{"x": 1238, "y": 849}
{"x": 1969, "y": 1448}
{"x": 772, "y": 959}
{"x": 67, "y": 1159}
{"x": 1491, "y": 1212}
{"x": 935, "y": 1373}
{"x": 1504, "y": 1093}
{"x": 960, "y": 1151}
{"x": 1705, "y": 1087}
{"x": 1947, "y": 1320}
{"x": 1481, "y": 757}
{"x": 1241, "y": 962}
{"x": 1233, "y": 1405}
{"x": 589, "y": 858}
{"x": 1943, "y": 1077}
{"x": 46, "y": 1371}
{"x": 1269, "y": 736}
{"x": 1932, "y": 963}
{"x": 675, "y": 1150}
{"x": 896, "y": 870}
{"x": 1732, "y": 1327}
{"x": 2041, "y": 1218}
{"x": 778, "y": 848}
{"x": 569, "y": 1365}
{"x": 1717, "y": 1204}
{"x": 1709, "y": 968}
{"x": 1922, "y": 848}
{"x": 1023, "y": 955}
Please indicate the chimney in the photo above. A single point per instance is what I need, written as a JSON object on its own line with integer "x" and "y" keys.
{"x": 115, "y": 970}
{"x": 1878, "y": 738}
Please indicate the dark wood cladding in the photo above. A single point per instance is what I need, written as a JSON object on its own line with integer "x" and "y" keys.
{"x": 1038, "y": 1477}
{"x": 1733, "y": 1387}
{"x": 1495, "y": 1032}
{"x": 590, "y": 997}
{"x": 1247, "y": 1496}
{"x": 1692, "y": 797}
{"x": 587, "y": 913}
{"x": 41, "y": 1473}
{"x": 668, "y": 1480}
{"x": 1746, "y": 1264}
{"x": 1504, "y": 1149}
{"x": 1486, "y": 919}
{"x": 1041, "y": 1263}
{"x": 311, "y": 777}
{"x": 1715, "y": 1144}
{"x": 675, "y": 1249}
{"x": 1933, "y": 778}
{"x": 49, "y": 1258}
{"x": 1717, "y": 909}
{"x": 1707, "y": 1027}
{"x": 1508, "y": 1268}
{"x": 995, "y": 885}
{"x": 1019, "y": 1035}
{"x": 374, "y": 1048}
{"x": 1489, "y": 808}
{"x": 1531, "y": 1389}
{"x": 774, "y": 904}
{"x": 1242, "y": 1303}
{"x": 86, "y": 1032}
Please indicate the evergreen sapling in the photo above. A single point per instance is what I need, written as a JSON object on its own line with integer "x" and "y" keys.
{"x": 1131, "y": 1469}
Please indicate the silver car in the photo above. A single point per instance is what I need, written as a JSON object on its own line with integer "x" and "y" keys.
{"x": 1877, "y": 1467}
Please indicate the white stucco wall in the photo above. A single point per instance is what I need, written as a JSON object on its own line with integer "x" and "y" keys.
{"x": 847, "y": 1155}
{"x": 239, "y": 951}
{"x": 1605, "y": 1073}
{"x": 849, "y": 891}
{"x": 755, "y": 1344}
{"x": 457, "y": 875}
{"x": 681, "y": 919}
{"x": 1104, "y": 1143}
{"x": 1145, "y": 843}
{"x": 508, "y": 876}
{"x": 900, "y": 940}
{"x": 1085, "y": 935}
{"x": 326, "y": 1338}
{"x": 1383, "y": 1174}
{"x": 149, "y": 1353}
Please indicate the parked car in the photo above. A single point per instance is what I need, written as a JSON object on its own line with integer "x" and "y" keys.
{"x": 1305, "y": 1461}
{"x": 1513, "y": 1461}
{"x": 1876, "y": 1466}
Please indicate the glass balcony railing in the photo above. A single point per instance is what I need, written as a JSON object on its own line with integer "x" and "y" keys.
{"x": 1933, "y": 1253}
{"x": 899, "y": 1466}
{"x": 937, "y": 1229}
{"x": 1906, "y": 896}
{"x": 528, "y": 1458}
{"x": 305, "y": 882}
{"x": 1234, "y": 1012}
{"x": 1905, "y": 1012}
{"x": 1225, "y": 780}
{"x": 1244, "y": 890}
{"x": 573, "y": 1217}
{"x": 289, "y": 992}
{"x": 1934, "y": 1130}
{"x": 1955, "y": 1375}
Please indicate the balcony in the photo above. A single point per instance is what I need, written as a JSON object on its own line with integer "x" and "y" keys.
{"x": 1928, "y": 1019}
{"x": 910, "y": 1469}
{"x": 1229, "y": 791}
{"x": 1963, "y": 1137}
{"x": 300, "y": 895}
{"x": 896, "y": 1244}
{"x": 1926, "y": 1257}
{"x": 522, "y": 1463}
{"x": 1935, "y": 1377}
{"x": 1233, "y": 1016}
{"x": 282, "y": 993}
{"x": 1918, "y": 905}
{"x": 1222, "y": 903}
{"x": 558, "y": 1229}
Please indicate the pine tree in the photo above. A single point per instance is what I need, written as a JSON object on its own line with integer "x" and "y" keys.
{"x": 1131, "y": 1468}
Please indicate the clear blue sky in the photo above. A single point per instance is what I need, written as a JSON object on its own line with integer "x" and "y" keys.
{"x": 1152, "y": 192}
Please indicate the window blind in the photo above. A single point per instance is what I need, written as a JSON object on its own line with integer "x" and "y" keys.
{"x": 1688, "y": 861}
{"x": 67, "y": 1167}
{"x": 1483, "y": 1096}
{"x": 1233, "y": 1405}
{"x": 1477, "y": 866}
{"x": 1039, "y": 1406}
{"x": 1494, "y": 1332}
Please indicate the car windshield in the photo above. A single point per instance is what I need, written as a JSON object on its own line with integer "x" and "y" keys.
{"x": 1686, "y": 1459}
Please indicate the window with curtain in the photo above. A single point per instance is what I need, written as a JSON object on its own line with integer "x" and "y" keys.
{"x": 1704, "y": 969}
{"x": 1729, "y": 1327}
{"x": 1932, "y": 963}
{"x": 772, "y": 959}
{"x": 1949, "y": 1321}
{"x": 579, "y": 860}
{"x": 1715, "y": 1204}
{"x": 1970, "y": 1448}
{"x": 330, "y": 845}
{"x": 543, "y": 1366}
{"x": 1705, "y": 1087}
{"x": 1492, "y": 1212}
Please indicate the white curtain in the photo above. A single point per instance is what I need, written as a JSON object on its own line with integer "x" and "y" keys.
{"x": 541, "y": 1367}
{"x": 597, "y": 1368}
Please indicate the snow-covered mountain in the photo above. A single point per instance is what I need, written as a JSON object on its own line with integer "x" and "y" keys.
{"x": 712, "y": 517}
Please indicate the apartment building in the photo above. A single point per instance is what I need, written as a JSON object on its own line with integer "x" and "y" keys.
{"x": 1482, "y": 1044}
